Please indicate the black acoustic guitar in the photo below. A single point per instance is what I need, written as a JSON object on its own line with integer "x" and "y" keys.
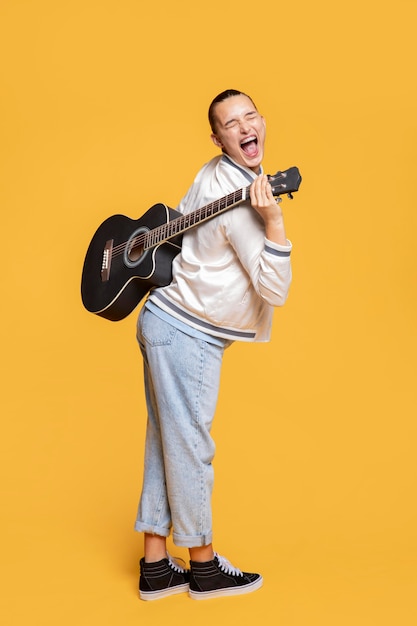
{"x": 126, "y": 258}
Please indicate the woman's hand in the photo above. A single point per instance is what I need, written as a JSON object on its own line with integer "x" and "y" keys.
{"x": 269, "y": 209}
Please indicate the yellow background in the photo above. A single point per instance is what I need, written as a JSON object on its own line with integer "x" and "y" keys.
{"x": 103, "y": 111}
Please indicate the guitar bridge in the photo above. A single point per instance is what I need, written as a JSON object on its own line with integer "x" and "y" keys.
{"x": 106, "y": 261}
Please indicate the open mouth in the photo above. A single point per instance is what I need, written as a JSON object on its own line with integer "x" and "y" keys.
{"x": 250, "y": 146}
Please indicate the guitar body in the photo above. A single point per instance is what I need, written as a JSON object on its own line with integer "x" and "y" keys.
{"x": 117, "y": 274}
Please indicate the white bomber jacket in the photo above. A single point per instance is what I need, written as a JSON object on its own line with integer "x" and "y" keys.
{"x": 228, "y": 276}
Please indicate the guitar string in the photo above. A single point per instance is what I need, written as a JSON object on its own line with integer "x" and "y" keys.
{"x": 193, "y": 218}
{"x": 194, "y": 215}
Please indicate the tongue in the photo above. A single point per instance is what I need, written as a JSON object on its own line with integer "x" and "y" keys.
{"x": 250, "y": 148}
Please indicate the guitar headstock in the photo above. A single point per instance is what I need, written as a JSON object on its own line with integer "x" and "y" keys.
{"x": 285, "y": 182}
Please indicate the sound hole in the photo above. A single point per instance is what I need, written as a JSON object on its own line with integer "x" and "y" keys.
{"x": 134, "y": 252}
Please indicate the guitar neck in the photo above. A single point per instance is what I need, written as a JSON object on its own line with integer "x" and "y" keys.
{"x": 181, "y": 224}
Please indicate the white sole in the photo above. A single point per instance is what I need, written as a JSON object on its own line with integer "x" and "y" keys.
{"x": 164, "y": 593}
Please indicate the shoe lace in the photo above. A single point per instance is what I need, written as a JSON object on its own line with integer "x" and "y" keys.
{"x": 175, "y": 564}
{"x": 226, "y": 566}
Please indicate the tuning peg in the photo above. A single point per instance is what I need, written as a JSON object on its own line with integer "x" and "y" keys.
{"x": 290, "y": 196}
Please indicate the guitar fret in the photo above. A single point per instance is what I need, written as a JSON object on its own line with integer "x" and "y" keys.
{"x": 180, "y": 224}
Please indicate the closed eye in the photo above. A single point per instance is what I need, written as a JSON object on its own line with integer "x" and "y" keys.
{"x": 234, "y": 122}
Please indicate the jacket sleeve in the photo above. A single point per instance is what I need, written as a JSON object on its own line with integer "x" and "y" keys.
{"x": 268, "y": 264}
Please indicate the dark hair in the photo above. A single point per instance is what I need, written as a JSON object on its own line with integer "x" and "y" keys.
{"x": 224, "y": 95}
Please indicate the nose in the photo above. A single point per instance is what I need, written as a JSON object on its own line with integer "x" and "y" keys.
{"x": 244, "y": 127}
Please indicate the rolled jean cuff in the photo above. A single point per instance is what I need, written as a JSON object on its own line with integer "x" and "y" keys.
{"x": 187, "y": 541}
{"x": 150, "y": 529}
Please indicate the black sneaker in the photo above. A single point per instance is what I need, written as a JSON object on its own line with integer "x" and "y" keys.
{"x": 219, "y": 578}
{"x": 161, "y": 579}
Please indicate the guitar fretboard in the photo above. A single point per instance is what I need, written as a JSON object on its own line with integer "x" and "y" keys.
{"x": 185, "y": 222}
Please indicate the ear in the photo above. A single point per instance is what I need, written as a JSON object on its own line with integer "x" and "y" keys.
{"x": 216, "y": 141}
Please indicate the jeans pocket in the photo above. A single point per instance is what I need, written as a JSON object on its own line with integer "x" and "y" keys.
{"x": 155, "y": 331}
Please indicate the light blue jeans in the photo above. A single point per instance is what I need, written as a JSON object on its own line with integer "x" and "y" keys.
{"x": 182, "y": 375}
